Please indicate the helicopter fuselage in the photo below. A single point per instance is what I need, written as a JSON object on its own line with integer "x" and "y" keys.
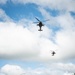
{"x": 53, "y": 53}
{"x": 40, "y": 25}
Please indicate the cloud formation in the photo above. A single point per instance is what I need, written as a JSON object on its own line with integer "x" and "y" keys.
{"x": 67, "y": 5}
{"x": 21, "y": 40}
{"x": 3, "y": 1}
{"x": 26, "y": 43}
{"x": 11, "y": 70}
{"x": 3, "y": 16}
{"x": 17, "y": 42}
{"x": 59, "y": 69}
{"x": 65, "y": 34}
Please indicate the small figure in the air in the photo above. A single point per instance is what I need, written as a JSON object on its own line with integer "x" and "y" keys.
{"x": 53, "y": 53}
{"x": 40, "y": 24}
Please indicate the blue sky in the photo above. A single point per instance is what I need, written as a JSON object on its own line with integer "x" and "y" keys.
{"x": 19, "y": 11}
{"x": 25, "y": 50}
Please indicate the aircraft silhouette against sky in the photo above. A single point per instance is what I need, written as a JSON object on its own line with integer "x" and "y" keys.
{"x": 40, "y": 24}
{"x": 53, "y": 52}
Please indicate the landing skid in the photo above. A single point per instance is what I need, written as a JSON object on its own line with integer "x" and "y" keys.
{"x": 40, "y": 30}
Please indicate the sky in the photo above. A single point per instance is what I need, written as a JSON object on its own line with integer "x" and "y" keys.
{"x": 26, "y": 51}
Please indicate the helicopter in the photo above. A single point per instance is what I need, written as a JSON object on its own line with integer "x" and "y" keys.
{"x": 40, "y": 24}
{"x": 53, "y": 52}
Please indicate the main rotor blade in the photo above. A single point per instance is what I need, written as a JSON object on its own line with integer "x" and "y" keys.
{"x": 35, "y": 22}
{"x": 37, "y": 19}
{"x": 45, "y": 20}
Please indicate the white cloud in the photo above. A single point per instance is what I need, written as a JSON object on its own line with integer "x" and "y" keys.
{"x": 52, "y": 20}
{"x": 66, "y": 21}
{"x": 68, "y": 73}
{"x": 11, "y": 70}
{"x": 59, "y": 69}
{"x": 3, "y": 16}
{"x": 65, "y": 67}
{"x": 18, "y": 42}
{"x": 3, "y": 1}
{"x": 24, "y": 43}
{"x": 53, "y": 4}
{"x": 64, "y": 37}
